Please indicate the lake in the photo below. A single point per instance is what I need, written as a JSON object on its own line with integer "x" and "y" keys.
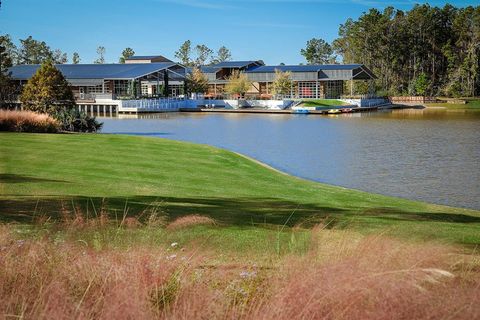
{"x": 428, "y": 155}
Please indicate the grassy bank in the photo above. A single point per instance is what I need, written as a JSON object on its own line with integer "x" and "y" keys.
{"x": 41, "y": 174}
{"x": 471, "y": 105}
{"x": 322, "y": 103}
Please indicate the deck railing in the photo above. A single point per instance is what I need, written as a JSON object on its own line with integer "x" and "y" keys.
{"x": 154, "y": 104}
{"x": 93, "y": 96}
{"x": 84, "y": 97}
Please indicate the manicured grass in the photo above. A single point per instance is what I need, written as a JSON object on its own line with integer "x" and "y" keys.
{"x": 472, "y": 104}
{"x": 40, "y": 173}
{"x": 323, "y": 103}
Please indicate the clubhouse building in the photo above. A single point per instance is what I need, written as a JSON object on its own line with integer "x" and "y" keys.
{"x": 143, "y": 77}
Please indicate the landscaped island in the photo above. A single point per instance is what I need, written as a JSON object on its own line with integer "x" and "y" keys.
{"x": 109, "y": 226}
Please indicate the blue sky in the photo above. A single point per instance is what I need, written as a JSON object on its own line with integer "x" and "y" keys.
{"x": 272, "y": 30}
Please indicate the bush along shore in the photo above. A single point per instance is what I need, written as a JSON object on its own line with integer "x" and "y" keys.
{"x": 49, "y": 106}
{"x": 68, "y": 120}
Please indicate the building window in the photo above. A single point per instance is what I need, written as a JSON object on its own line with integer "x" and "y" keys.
{"x": 307, "y": 89}
{"x": 333, "y": 89}
{"x": 175, "y": 90}
{"x": 121, "y": 87}
{"x": 144, "y": 89}
{"x": 95, "y": 89}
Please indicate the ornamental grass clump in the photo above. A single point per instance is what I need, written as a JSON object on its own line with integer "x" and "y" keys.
{"x": 344, "y": 275}
{"x": 27, "y": 121}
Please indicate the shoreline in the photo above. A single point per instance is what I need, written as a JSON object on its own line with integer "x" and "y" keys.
{"x": 267, "y": 166}
{"x": 185, "y": 178}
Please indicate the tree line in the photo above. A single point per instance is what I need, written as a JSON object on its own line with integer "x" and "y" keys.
{"x": 32, "y": 51}
{"x": 201, "y": 55}
{"x": 424, "y": 51}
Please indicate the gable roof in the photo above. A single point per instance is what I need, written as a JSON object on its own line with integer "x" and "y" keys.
{"x": 94, "y": 71}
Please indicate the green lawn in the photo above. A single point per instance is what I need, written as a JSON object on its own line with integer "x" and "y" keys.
{"x": 472, "y": 104}
{"x": 322, "y": 103}
{"x": 40, "y": 172}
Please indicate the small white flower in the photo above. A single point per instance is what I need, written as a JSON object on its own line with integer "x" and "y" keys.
{"x": 174, "y": 244}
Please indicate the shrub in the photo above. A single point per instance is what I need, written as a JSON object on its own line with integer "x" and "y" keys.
{"x": 27, "y": 121}
{"x": 73, "y": 120}
{"x": 47, "y": 91}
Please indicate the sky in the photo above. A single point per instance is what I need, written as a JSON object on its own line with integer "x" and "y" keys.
{"x": 270, "y": 30}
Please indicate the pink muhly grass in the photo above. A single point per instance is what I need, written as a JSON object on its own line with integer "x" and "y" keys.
{"x": 27, "y": 121}
{"x": 343, "y": 276}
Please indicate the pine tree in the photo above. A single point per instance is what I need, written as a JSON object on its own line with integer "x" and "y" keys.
{"x": 76, "y": 58}
{"x": 6, "y": 87}
{"x": 318, "y": 51}
{"x": 223, "y": 54}
{"x": 101, "y": 55}
{"x": 183, "y": 54}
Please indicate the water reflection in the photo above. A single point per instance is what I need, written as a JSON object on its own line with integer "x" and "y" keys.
{"x": 388, "y": 152}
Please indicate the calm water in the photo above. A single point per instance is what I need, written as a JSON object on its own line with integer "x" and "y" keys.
{"x": 432, "y": 156}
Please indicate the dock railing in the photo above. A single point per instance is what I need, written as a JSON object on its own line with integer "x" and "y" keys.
{"x": 160, "y": 104}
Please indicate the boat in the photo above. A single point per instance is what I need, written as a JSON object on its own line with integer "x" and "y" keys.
{"x": 334, "y": 111}
{"x": 300, "y": 111}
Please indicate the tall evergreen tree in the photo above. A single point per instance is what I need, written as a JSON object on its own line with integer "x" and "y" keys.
{"x": 204, "y": 54}
{"x": 443, "y": 43}
{"x": 223, "y": 54}
{"x": 59, "y": 57}
{"x": 318, "y": 51}
{"x": 7, "y": 89}
{"x": 101, "y": 55}
{"x": 10, "y": 50}
{"x": 75, "y": 58}
{"x": 184, "y": 53}
{"x": 32, "y": 51}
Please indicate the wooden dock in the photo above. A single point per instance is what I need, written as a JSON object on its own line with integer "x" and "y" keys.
{"x": 275, "y": 111}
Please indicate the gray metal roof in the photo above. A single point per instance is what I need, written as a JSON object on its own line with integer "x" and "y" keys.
{"x": 204, "y": 69}
{"x": 95, "y": 71}
{"x": 208, "y": 69}
{"x": 303, "y": 68}
{"x": 145, "y": 57}
{"x": 236, "y": 64}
